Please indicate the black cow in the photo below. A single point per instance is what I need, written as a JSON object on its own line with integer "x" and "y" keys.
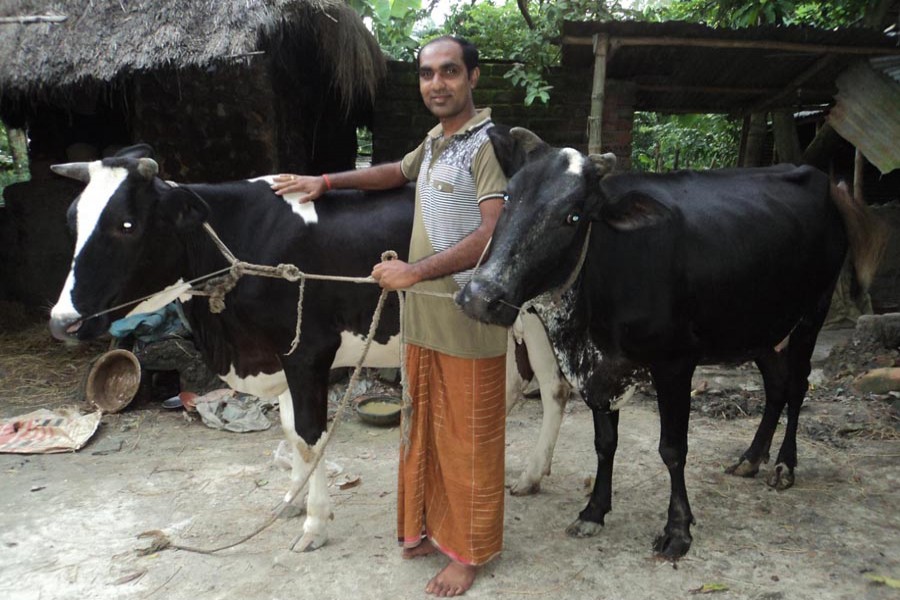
{"x": 678, "y": 270}
{"x": 137, "y": 234}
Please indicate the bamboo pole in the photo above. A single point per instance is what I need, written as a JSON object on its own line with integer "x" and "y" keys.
{"x": 598, "y": 93}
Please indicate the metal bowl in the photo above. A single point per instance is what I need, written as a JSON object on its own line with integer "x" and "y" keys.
{"x": 379, "y": 409}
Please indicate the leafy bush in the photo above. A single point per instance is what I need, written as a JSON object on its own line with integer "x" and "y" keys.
{"x": 13, "y": 158}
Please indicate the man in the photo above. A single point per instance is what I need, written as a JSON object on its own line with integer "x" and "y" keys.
{"x": 450, "y": 490}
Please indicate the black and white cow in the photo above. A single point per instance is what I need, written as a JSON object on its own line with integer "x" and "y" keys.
{"x": 678, "y": 269}
{"x": 137, "y": 234}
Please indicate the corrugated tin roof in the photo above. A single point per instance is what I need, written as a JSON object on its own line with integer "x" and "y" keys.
{"x": 687, "y": 67}
{"x": 867, "y": 114}
{"x": 889, "y": 65}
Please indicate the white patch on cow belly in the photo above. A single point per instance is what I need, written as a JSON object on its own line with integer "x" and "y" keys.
{"x": 264, "y": 385}
{"x": 379, "y": 356}
{"x": 305, "y": 210}
{"x": 576, "y": 161}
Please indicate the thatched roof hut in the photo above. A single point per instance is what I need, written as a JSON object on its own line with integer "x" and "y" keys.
{"x": 222, "y": 89}
{"x": 48, "y": 47}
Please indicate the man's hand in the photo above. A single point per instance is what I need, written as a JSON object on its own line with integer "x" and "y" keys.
{"x": 313, "y": 187}
{"x": 395, "y": 274}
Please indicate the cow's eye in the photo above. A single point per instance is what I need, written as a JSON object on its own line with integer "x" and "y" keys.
{"x": 573, "y": 218}
{"x": 127, "y": 227}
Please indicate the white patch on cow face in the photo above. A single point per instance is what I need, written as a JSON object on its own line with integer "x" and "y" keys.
{"x": 576, "y": 161}
{"x": 305, "y": 210}
{"x": 91, "y": 204}
{"x": 264, "y": 385}
{"x": 380, "y": 356}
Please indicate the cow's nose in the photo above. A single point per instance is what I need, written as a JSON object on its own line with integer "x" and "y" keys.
{"x": 477, "y": 299}
{"x": 65, "y": 328}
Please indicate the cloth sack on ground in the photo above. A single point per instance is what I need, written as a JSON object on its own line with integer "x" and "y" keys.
{"x": 44, "y": 431}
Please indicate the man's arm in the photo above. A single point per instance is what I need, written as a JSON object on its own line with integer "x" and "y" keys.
{"x": 396, "y": 274}
{"x": 379, "y": 177}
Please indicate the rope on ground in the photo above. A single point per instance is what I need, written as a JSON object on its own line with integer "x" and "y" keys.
{"x": 216, "y": 288}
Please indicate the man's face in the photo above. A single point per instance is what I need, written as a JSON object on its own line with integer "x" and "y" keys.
{"x": 443, "y": 81}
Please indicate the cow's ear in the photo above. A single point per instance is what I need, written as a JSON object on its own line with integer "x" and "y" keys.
{"x": 632, "y": 211}
{"x": 183, "y": 209}
{"x": 509, "y": 153}
{"x": 136, "y": 151}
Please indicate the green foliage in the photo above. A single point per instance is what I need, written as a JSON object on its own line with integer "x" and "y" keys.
{"x": 698, "y": 141}
{"x": 392, "y": 24}
{"x": 500, "y": 32}
{"x": 746, "y": 13}
{"x": 13, "y": 158}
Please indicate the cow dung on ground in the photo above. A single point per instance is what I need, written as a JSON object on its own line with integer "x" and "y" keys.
{"x": 69, "y": 522}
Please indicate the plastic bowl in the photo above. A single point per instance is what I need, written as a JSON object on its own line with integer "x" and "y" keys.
{"x": 379, "y": 409}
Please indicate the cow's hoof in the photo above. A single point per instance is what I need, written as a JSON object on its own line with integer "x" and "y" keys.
{"x": 525, "y": 487}
{"x": 582, "y": 529}
{"x": 744, "y": 468}
{"x": 782, "y": 478}
{"x": 672, "y": 545}
{"x": 308, "y": 542}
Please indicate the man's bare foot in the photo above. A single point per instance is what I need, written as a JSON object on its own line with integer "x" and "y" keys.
{"x": 453, "y": 580}
{"x": 423, "y": 549}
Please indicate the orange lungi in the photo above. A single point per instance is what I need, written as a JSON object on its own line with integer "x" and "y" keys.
{"x": 451, "y": 481}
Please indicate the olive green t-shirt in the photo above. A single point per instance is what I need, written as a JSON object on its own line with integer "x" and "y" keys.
{"x": 453, "y": 176}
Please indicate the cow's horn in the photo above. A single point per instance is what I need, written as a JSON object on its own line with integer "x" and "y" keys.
{"x": 605, "y": 163}
{"x": 147, "y": 168}
{"x": 76, "y": 170}
{"x": 527, "y": 138}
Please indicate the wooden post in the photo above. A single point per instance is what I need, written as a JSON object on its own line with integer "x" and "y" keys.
{"x": 787, "y": 144}
{"x": 756, "y": 139}
{"x": 601, "y": 46}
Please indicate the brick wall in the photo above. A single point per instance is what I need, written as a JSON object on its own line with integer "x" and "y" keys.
{"x": 401, "y": 119}
{"x": 213, "y": 124}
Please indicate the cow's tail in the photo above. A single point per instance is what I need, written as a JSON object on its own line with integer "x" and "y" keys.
{"x": 866, "y": 233}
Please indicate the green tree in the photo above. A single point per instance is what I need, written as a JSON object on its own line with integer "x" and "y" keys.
{"x": 746, "y": 13}
{"x": 13, "y": 157}
{"x": 526, "y": 32}
{"x": 665, "y": 142}
{"x": 393, "y": 22}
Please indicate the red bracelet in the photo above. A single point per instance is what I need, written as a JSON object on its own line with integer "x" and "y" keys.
{"x": 327, "y": 181}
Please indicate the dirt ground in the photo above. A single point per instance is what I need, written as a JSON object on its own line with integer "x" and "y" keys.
{"x": 69, "y": 522}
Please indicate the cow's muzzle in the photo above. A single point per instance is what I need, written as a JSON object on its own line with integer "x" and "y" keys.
{"x": 75, "y": 328}
{"x": 486, "y": 302}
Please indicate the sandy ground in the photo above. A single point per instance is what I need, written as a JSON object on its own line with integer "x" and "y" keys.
{"x": 69, "y": 522}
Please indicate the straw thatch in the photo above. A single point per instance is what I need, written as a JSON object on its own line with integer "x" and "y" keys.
{"x": 101, "y": 39}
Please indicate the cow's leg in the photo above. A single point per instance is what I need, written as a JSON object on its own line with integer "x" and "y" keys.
{"x": 673, "y": 393}
{"x": 774, "y": 367}
{"x": 555, "y": 391}
{"x": 606, "y": 439}
{"x": 800, "y": 348}
{"x": 304, "y": 425}
{"x": 515, "y": 383}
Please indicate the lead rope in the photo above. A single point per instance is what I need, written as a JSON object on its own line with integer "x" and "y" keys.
{"x": 161, "y": 541}
{"x": 216, "y": 289}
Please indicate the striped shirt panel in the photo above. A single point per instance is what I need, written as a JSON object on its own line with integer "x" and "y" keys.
{"x": 448, "y": 193}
